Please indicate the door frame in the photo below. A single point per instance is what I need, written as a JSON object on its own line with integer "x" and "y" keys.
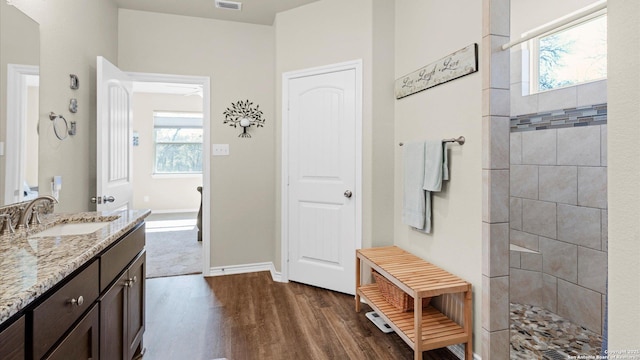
{"x": 17, "y": 83}
{"x": 284, "y": 200}
{"x": 205, "y": 81}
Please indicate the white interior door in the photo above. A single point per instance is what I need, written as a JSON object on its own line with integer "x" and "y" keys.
{"x": 114, "y": 138}
{"x": 322, "y": 122}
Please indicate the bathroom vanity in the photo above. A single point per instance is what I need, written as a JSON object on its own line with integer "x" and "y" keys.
{"x": 70, "y": 291}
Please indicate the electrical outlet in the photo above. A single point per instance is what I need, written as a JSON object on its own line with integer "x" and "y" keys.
{"x": 220, "y": 149}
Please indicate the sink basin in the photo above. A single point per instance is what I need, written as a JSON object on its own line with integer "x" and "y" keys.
{"x": 68, "y": 229}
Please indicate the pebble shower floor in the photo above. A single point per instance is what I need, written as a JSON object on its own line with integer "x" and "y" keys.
{"x": 539, "y": 334}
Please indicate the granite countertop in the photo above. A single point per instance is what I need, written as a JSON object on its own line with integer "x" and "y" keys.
{"x": 29, "y": 266}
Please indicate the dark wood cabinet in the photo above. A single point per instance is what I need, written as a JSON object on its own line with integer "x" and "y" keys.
{"x": 122, "y": 313}
{"x": 113, "y": 305}
{"x": 12, "y": 341}
{"x": 57, "y": 313}
{"x": 97, "y": 312}
{"x": 82, "y": 342}
{"x": 136, "y": 296}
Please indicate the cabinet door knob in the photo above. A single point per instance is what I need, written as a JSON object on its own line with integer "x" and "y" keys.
{"x": 78, "y": 302}
{"x": 129, "y": 282}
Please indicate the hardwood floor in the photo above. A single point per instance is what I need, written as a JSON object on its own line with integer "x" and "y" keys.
{"x": 249, "y": 316}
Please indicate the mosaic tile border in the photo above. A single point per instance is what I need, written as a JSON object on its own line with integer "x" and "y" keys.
{"x": 570, "y": 117}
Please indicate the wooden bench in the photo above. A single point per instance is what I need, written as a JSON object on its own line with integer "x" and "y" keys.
{"x": 423, "y": 329}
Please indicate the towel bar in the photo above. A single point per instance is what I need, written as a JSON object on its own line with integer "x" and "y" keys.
{"x": 460, "y": 140}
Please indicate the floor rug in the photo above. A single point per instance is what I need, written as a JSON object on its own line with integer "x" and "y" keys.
{"x": 173, "y": 251}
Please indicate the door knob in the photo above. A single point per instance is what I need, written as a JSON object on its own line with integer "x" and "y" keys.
{"x": 106, "y": 199}
{"x": 348, "y": 194}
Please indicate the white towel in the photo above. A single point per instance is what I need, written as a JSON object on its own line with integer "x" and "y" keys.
{"x": 425, "y": 166}
{"x": 413, "y": 206}
{"x": 435, "y": 171}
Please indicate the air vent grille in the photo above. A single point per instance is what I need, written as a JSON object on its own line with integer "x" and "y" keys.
{"x": 230, "y": 5}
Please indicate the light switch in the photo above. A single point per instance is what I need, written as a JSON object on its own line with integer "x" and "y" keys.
{"x": 1, "y": 148}
{"x": 220, "y": 149}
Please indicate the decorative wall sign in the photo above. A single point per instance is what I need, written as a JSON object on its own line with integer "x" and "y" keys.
{"x": 244, "y": 114}
{"x": 460, "y": 63}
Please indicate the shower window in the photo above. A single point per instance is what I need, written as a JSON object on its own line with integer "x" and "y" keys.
{"x": 571, "y": 55}
{"x": 178, "y": 143}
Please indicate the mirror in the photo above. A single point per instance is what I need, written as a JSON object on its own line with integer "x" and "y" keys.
{"x": 19, "y": 98}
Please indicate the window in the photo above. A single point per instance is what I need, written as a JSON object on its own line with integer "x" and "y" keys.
{"x": 571, "y": 55}
{"x": 178, "y": 143}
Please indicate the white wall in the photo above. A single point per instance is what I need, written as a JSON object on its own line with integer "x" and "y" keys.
{"x": 239, "y": 59}
{"x": 72, "y": 34}
{"x": 624, "y": 174}
{"x": 164, "y": 192}
{"x": 425, "y": 32}
{"x": 333, "y": 31}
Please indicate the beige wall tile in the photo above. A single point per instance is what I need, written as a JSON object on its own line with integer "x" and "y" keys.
{"x": 550, "y": 292}
{"x": 592, "y": 93}
{"x": 605, "y": 230}
{"x": 495, "y": 142}
{"x": 557, "y": 99}
{"x": 559, "y": 184}
{"x": 495, "y": 102}
{"x": 539, "y": 147}
{"x": 515, "y": 213}
{"x": 514, "y": 259}
{"x": 579, "y": 225}
{"x": 495, "y": 302}
{"x": 579, "y": 146}
{"x": 539, "y": 217}
{"x": 559, "y": 259}
{"x": 580, "y": 305}
{"x": 515, "y": 148}
{"x": 592, "y": 187}
{"x": 500, "y": 63}
{"x": 525, "y": 287}
{"x": 496, "y": 249}
{"x": 495, "y": 345}
{"x": 524, "y": 181}
{"x": 526, "y": 240}
{"x": 592, "y": 269}
{"x": 522, "y": 104}
{"x": 498, "y": 21}
{"x": 531, "y": 262}
{"x": 495, "y": 196}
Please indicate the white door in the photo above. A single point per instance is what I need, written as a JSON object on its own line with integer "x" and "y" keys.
{"x": 323, "y": 126}
{"x": 114, "y": 138}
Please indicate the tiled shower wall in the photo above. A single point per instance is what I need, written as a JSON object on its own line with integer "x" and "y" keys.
{"x": 558, "y": 209}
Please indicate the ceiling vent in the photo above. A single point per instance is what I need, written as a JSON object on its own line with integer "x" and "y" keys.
{"x": 230, "y": 5}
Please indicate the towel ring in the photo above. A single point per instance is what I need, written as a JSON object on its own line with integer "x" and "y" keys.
{"x": 59, "y": 125}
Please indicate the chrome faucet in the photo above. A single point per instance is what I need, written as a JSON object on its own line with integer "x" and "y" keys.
{"x": 34, "y": 210}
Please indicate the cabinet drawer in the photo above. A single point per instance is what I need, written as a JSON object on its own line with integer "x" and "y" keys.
{"x": 53, "y": 317}
{"x": 114, "y": 260}
{"x": 12, "y": 341}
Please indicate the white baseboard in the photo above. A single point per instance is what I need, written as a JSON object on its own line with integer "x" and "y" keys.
{"x": 174, "y": 211}
{"x": 458, "y": 350}
{"x": 246, "y": 268}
